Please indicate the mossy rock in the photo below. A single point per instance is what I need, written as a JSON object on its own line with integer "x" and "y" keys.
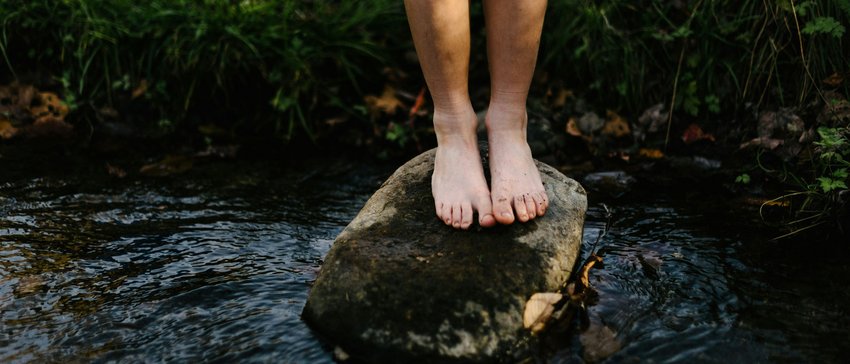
{"x": 398, "y": 284}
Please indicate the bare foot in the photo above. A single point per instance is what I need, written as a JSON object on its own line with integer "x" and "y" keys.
{"x": 458, "y": 183}
{"x": 517, "y": 190}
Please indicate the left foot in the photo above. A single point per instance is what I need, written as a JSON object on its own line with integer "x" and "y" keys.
{"x": 516, "y": 188}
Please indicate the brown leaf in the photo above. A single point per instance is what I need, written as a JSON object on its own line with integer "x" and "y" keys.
{"x": 171, "y": 164}
{"x": 584, "y": 272}
{"x": 694, "y": 133}
{"x": 572, "y": 127}
{"x": 561, "y": 98}
{"x": 615, "y": 126}
{"x": 115, "y": 171}
{"x": 140, "y": 89}
{"x": 834, "y": 80}
{"x": 49, "y": 105}
{"x": 7, "y": 131}
{"x": 650, "y": 153}
{"x": 386, "y": 104}
{"x": 765, "y": 142}
{"x": 538, "y": 310}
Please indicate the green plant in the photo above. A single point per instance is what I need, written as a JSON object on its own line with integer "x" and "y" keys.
{"x": 261, "y": 66}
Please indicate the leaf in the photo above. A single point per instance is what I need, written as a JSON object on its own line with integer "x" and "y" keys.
{"x": 386, "y": 104}
{"x": 140, "y": 89}
{"x": 694, "y": 133}
{"x": 7, "y": 131}
{"x": 171, "y": 164}
{"x": 650, "y": 153}
{"x": 115, "y": 171}
{"x": 561, "y": 98}
{"x": 539, "y": 309}
{"x": 572, "y": 127}
{"x": 615, "y": 126}
{"x": 834, "y": 80}
{"x": 824, "y": 25}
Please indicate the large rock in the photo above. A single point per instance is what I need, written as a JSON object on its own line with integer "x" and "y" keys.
{"x": 398, "y": 284}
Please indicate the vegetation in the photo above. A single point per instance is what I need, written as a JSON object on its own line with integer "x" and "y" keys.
{"x": 204, "y": 60}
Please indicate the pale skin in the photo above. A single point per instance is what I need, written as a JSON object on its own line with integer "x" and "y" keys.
{"x": 441, "y": 35}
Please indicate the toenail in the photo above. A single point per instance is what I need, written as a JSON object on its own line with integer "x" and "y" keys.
{"x": 507, "y": 214}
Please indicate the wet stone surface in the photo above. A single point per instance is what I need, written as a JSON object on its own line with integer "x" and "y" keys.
{"x": 398, "y": 283}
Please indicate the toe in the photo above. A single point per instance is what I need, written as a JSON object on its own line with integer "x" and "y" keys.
{"x": 542, "y": 203}
{"x": 456, "y": 215}
{"x": 465, "y": 215}
{"x": 438, "y": 207}
{"x": 485, "y": 211}
{"x": 446, "y": 215}
{"x": 502, "y": 210}
{"x": 530, "y": 206}
{"x": 519, "y": 207}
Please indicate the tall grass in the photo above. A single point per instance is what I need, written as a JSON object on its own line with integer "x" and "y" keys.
{"x": 721, "y": 54}
{"x": 208, "y": 60}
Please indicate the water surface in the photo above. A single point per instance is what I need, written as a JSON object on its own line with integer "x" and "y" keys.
{"x": 216, "y": 264}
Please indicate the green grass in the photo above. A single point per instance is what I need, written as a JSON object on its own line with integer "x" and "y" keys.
{"x": 256, "y": 65}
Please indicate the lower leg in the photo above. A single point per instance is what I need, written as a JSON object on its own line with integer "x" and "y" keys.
{"x": 513, "y": 37}
{"x": 441, "y": 35}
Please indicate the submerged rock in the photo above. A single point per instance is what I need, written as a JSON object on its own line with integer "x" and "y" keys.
{"x": 398, "y": 284}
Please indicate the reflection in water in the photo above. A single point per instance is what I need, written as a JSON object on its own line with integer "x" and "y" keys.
{"x": 217, "y": 264}
{"x": 161, "y": 270}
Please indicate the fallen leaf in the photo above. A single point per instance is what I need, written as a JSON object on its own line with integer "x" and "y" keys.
{"x": 171, "y": 164}
{"x": 561, "y": 98}
{"x": 694, "y": 134}
{"x": 650, "y": 153}
{"x": 765, "y": 142}
{"x": 615, "y": 126}
{"x": 572, "y": 127}
{"x": 386, "y": 104}
{"x": 834, "y": 80}
{"x": 584, "y": 272}
{"x": 140, "y": 89}
{"x": 115, "y": 171}
{"x": 538, "y": 309}
{"x": 49, "y": 104}
{"x": 7, "y": 131}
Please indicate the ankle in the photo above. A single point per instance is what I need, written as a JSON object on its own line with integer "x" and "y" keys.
{"x": 506, "y": 118}
{"x": 455, "y": 125}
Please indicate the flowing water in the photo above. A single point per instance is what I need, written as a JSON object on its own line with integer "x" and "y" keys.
{"x": 215, "y": 265}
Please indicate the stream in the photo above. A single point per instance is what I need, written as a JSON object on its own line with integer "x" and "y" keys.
{"x": 215, "y": 265}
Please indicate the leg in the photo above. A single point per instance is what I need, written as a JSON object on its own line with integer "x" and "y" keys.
{"x": 513, "y": 36}
{"x": 441, "y": 35}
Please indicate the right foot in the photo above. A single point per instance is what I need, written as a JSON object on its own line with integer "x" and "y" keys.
{"x": 458, "y": 184}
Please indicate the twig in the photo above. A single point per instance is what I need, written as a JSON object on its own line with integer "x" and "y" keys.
{"x": 673, "y": 99}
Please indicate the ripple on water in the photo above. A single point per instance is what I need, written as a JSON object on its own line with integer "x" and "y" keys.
{"x": 216, "y": 266}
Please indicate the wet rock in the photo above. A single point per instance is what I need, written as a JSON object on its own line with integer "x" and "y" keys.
{"x": 398, "y": 285}
{"x": 613, "y": 183}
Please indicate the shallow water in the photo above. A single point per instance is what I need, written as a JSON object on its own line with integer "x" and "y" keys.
{"x": 216, "y": 264}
